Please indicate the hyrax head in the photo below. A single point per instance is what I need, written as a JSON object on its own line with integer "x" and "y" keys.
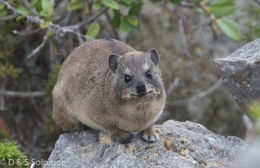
{"x": 138, "y": 75}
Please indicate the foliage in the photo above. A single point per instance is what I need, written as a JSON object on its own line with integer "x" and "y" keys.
{"x": 6, "y": 49}
{"x": 254, "y": 113}
{"x": 124, "y": 18}
{"x": 93, "y": 30}
{"x": 254, "y": 110}
{"x": 219, "y": 9}
{"x": 11, "y": 156}
{"x": 127, "y": 21}
{"x": 52, "y": 80}
{"x": 253, "y": 24}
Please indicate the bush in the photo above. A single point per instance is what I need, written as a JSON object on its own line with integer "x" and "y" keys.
{"x": 12, "y": 156}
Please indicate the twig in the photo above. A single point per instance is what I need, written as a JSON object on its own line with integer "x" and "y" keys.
{"x": 257, "y": 1}
{"x": 10, "y": 17}
{"x": 27, "y": 33}
{"x": 183, "y": 38}
{"x": 187, "y": 4}
{"x": 89, "y": 20}
{"x": 94, "y": 17}
{"x": 185, "y": 49}
{"x": 37, "y": 49}
{"x": 55, "y": 28}
{"x": 2, "y": 100}
{"x": 111, "y": 23}
{"x": 197, "y": 96}
{"x": 80, "y": 39}
{"x": 36, "y": 107}
{"x": 11, "y": 93}
{"x": 173, "y": 85}
{"x": 249, "y": 125}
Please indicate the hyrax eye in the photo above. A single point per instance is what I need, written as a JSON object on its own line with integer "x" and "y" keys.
{"x": 127, "y": 78}
{"x": 148, "y": 74}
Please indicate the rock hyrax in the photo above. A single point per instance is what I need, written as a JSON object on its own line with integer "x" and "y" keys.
{"x": 109, "y": 86}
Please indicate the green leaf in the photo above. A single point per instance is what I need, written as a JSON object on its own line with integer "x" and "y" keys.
{"x": 37, "y": 5}
{"x": 125, "y": 26}
{"x": 222, "y": 8}
{"x": 132, "y": 20}
{"x": 254, "y": 110}
{"x": 3, "y": 13}
{"x": 116, "y": 19}
{"x": 200, "y": 10}
{"x": 111, "y": 4}
{"x": 126, "y": 2}
{"x": 22, "y": 9}
{"x": 49, "y": 34}
{"x": 135, "y": 9}
{"x": 86, "y": 10}
{"x": 47, "y": 8}
{"x": 34, "y": 2}
{"x": 156, "y": 1}
{"x": 2, "y": 6}
{"x": 196, "y": 1}
{"x": 44, "y": 25}
{"x": 230, "y": 28}
{"x": 96, "y": 5}
{"x": 19, "y": 18}
{"x": 76, "y": 4}
{"x": 176, "y": 1}
{"x": 93, "y": 30}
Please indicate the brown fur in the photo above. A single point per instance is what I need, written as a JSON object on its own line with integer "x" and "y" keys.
{"x": 86, "y": 92}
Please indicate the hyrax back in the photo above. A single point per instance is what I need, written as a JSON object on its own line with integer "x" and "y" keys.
{"x": 109, "y": 86}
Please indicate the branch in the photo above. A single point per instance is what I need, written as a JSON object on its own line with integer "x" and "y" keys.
{"x": 173, "y": 85}
{"x": 249, "y": 125}
{"x": 10, "y": 17}
{"x": 94, "y": 17}
{"x": 2, "y": 100}
{"x": 187, "y": 5}
{"x": 26, "y": 33}
{"x": 37, "y": 49}
{"x": 197, "y": 96}
{"x": 21, "y": 94}
{"x": 55, "y": 28}
{"x": 183, "y": 38}
{"x": 111, "y": 24}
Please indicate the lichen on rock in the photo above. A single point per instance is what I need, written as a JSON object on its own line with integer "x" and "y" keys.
{"x": 241, "y": 72}
{"x": 180, "y": 145}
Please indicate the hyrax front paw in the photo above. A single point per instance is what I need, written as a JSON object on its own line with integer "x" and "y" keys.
{"x": 149, "y": 135}
{"x": 123, "y": 137}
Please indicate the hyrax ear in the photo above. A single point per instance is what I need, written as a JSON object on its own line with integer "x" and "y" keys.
{"x": 153, "y": 54}
{"x": 113, "y": 61}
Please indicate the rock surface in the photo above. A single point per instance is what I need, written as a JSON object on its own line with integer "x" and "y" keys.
{"x": 179, "y": 145}
{"x": 241, "y": 72}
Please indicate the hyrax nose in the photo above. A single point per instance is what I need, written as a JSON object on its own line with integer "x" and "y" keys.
{"x": 140, "y": 89}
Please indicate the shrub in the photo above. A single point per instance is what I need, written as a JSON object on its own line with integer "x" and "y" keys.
{"x": 12, "y": 156}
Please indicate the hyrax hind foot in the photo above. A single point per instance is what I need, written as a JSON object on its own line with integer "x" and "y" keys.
{"x": 149, "y": 135}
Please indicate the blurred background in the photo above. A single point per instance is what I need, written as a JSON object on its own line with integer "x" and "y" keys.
{"x": 36, "y": 36}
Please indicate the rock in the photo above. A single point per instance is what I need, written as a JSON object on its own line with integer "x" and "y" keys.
{"x": 250, "y": 159}
{"x": 241, "y": 72}
{"x": 179, "y": 145}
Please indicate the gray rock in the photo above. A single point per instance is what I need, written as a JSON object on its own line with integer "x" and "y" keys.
{"x": 241, "y": 72}
{"x": 179, "y": 145}
{"x": 250, "y": 159}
